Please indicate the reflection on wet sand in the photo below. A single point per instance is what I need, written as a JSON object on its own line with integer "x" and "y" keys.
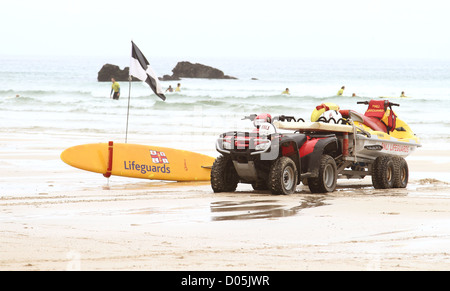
{"x": 256, "y": 209}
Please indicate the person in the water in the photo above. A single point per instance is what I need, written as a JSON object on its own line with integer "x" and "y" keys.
{"x": 115, "y": 87}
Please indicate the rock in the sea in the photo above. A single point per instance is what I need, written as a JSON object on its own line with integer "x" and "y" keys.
{"x": 181, "y": 70}
{"x": 169, "y": 78}
{"x": 190, "y": 70}
{"x": 109, "y": 71}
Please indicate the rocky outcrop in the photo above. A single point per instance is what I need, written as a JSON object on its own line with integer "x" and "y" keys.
{"x": 169, "y": 78}
{"x": 181, "y": 70}
{"x": 190, "y": 70}
{"x": 109, "y": 71}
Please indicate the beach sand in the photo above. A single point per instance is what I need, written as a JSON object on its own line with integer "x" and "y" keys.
{"x": 55, "y": 217}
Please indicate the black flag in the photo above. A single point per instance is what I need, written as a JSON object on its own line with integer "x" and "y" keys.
{"x": 140, "y": 68}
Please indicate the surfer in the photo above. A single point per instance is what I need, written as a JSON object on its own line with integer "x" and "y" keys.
{"x": 286, "y": 92}
{"x": 403, "y": 94}
{"x": 170, "y": 89}
{"x": 178, "y": 88}
{"x": 115, "y": 87}
{"x": 341, "y": 91}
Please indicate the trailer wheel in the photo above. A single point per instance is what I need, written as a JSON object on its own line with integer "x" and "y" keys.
{"x": 283, "y": 176}
{"x": 383, "y": 173}
{"x": 224, "y": 177}
{"x": 327, "y": 179}
{"x": 401, "y": 172}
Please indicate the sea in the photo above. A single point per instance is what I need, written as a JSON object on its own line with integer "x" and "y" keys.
{"x": 50, "y": 103}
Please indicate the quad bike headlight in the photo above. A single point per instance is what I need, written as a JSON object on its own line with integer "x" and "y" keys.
{"x": 227, "y": 145}
{"x": 262, "y": 146}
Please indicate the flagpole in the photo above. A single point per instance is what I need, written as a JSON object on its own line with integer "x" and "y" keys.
{"x": 128, "y": 110}
{"x": 140, "y": 68}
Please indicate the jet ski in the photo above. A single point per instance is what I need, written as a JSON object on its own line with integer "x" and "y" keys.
{"x": 380, "y": 131}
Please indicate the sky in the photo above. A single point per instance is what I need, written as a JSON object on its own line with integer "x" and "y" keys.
{"x": 232, "y": 28}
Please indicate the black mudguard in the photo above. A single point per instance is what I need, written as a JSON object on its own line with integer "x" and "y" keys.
{"x": 290, "y": 145}
{"x": 313, "y": 149}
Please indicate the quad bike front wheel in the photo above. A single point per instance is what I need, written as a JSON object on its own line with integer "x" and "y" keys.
{"x": 283, "y": 176}
{"x": 224, "y": 177}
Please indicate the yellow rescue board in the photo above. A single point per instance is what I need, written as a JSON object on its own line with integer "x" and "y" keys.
{"x": 313, "y": 126}
{"x": 139, "y": 161}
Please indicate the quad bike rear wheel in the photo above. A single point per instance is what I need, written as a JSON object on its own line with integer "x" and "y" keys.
{"x": 327, "y": 179}
{"x": 260, "y": 185}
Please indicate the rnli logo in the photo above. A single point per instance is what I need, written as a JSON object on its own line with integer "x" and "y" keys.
{"x": 159, "y": 157}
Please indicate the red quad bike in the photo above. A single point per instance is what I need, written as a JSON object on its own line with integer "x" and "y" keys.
{"x": 345, "y": 144}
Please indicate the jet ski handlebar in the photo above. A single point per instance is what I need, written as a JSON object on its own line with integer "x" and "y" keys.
{"x": 367, "y": 103}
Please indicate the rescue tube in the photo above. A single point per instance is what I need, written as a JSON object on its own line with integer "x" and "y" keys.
{"x": 321, "y": 109}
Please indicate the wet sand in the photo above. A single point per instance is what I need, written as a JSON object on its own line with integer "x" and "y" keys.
{"x": 62, "y": 218}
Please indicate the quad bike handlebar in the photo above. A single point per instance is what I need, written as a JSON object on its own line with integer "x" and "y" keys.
{"x": 251, "y": 117}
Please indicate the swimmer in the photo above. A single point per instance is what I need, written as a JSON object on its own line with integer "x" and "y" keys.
{"x": 170, "y": 89}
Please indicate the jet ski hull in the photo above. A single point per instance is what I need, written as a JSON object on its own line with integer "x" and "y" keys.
{"x": 374, "y": 146}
